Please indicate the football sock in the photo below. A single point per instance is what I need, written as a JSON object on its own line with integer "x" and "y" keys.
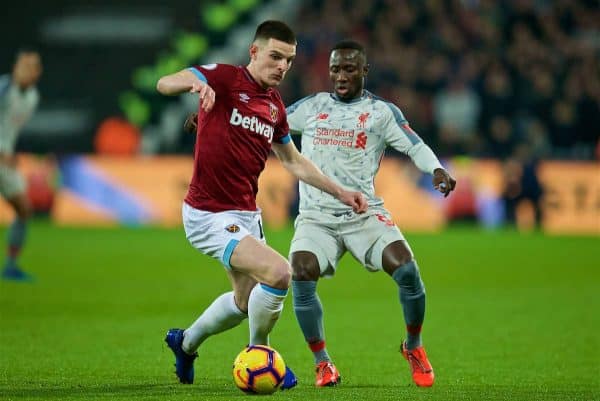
{"x": 412, "y": 298}
{"x": 16, "y": 239}
{"x": 264, "y": 307}
{"x": 221, "y": 315}
{"x": 309, "y": 313}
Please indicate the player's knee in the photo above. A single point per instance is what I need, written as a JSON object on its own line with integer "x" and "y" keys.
{"x": 281, "y": 275}
{"x": 21, "y": 206}
{"x": 408, "y": 278}
{"x": 305, "y": 266}
{"x": 396, "y": 254}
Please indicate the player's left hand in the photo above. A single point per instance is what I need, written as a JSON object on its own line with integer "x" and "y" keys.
{"x": 443, "y": 182}
{"x": 355, "y": 199}
{"x": 206, "y": 93}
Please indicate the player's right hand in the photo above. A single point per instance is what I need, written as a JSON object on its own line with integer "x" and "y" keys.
{"x": 191, "y": 123}
{"x": 443, "y": 182}
{"x": 355, "y": 199}
{"x": 207, "y": 95}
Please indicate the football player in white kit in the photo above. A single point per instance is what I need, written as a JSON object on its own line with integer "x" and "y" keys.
{"x": 345, "y": 134}
{"x": 19, "y": 98}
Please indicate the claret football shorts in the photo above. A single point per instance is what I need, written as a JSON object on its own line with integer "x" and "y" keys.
{"x": 217, "y": 234}
{"x": 328, "y": 236}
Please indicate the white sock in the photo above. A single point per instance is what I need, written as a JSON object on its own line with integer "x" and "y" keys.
{"x": 264, "y": 307}
{"x": 221, "y": 315}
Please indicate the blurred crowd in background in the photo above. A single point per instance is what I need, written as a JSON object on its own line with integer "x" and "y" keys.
{"x": 515, "y": 81}
{"x": 473, "y": 77}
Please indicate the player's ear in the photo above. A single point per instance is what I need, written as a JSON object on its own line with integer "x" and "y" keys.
{"x": 366, "y": 70}
{"x": 253, "y": 51}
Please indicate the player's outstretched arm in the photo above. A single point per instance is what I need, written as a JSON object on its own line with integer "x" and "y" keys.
{"x": 427, "y": 162}
{"x": 187, "y": 81}
{"x": 306, "y": 171}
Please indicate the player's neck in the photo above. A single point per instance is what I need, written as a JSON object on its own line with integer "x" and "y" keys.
{"x": 254, "y": 75}
{"x": 353, "y": 99}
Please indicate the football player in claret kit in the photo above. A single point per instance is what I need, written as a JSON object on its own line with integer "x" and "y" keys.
{"x": 241, "y": 119}
{"x": 345, "y": 134}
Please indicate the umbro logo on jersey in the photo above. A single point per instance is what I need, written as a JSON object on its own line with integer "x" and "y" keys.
{"x": 232, "y": 228}
{"x": 244, "y": 97}
{"x": 322, "y": 116}
{"x": 252, "y": 124}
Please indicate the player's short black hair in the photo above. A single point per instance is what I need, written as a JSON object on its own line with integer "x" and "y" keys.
{"x": 350, "y": 44}
{"x": 276, "y": 30}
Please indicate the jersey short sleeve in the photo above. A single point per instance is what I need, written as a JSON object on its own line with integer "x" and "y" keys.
{"x": 218, "y": 76}
{"x": 297, "y": 115}
{"x": 282, "y": 129}
{"x": 397, "y": 131}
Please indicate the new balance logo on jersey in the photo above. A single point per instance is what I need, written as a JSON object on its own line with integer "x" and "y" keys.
{"x": 251, "y": 123}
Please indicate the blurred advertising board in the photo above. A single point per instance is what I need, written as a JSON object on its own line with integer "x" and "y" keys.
{"x": 100, "y": 191}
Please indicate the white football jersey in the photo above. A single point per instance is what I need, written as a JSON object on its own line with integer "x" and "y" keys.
{"x": 16, "y": 107}
{"x": 347, "y": 141}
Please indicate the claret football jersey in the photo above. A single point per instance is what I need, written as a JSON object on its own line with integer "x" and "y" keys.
{"x": 234, "y": 139}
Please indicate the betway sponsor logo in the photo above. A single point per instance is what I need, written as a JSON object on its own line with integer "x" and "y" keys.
{"x": 252, "y": 124}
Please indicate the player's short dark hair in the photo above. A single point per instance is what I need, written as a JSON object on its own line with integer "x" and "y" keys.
{"x": 350, "y": 44}
{"x": 276, "y": 30}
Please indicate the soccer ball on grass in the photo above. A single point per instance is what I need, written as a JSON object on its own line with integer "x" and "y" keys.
{"x": 258, "y": 369}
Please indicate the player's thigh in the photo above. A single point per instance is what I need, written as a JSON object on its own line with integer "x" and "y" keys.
{"x": 261, "y": 262}
{"x": 369, "y": 236}
{"x": 218, "y": 234}
{"x": 12, "y": 188}
{"x": 319, "y": 239}
{"x": 20, "y": 204}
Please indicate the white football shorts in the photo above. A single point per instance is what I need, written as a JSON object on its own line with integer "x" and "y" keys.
{"x": 217, "y": 234}
{"x": 329, "y": 236}
{"x": 11, "y": 182}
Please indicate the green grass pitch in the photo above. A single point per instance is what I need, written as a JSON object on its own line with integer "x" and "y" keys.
{"x": 509, "y": 317}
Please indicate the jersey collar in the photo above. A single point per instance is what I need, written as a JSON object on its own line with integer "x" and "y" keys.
{"x": 365, "y": 94}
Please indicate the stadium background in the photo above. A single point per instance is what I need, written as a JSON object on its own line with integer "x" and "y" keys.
{"x": 506, "y": 92}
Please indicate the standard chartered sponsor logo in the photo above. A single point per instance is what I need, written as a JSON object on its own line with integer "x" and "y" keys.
{"x": 252, "y": 124}
{"x": 334, "y": 137}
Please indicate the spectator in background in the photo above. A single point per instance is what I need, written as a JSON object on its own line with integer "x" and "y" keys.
{"x": 456, "y": 111}
{"x": 19, "y": 98}
{"x": 521, "y": 183}
{"x": 518, "y": 58}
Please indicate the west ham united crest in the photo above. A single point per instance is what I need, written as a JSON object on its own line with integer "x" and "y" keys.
{"x": 274, "y": 112}
{"x": 232, "y": 228}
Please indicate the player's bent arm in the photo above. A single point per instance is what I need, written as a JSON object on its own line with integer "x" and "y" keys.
{"x": 177, "y": 83}
{"x": 304, "y": 169}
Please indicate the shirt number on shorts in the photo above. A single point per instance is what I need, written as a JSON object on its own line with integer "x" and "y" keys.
{"x": 384, "y": 219}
